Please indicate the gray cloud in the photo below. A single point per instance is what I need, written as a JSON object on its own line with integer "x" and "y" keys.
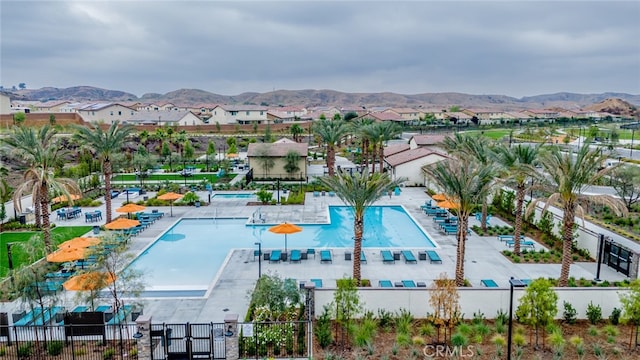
{"x": 515, "y": 48}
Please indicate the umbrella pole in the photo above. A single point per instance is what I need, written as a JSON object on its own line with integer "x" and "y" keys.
{"x": 171, "y": 206}
{"x": 285, "y": 243}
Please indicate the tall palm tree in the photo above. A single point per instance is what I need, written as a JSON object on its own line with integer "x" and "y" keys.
{"x": 517, "y": 164}
{"x": 371, "y": 135}
{"x": 388, "y": 131}
{"x": 465, "y": 182}
{"x": 41, "y": 151}
{"x": 566, "y": 174}
{"x": 105, "y": 145}
{"x": 331, "y": 132}
{"x": 359, "y": 191}
{"x": 357, "y": 128}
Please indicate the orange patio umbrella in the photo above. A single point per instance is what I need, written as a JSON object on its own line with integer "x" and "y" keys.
{"x": 89, "y": 281}
{"x": 439, "y": 197}
{"x": 447, "y": 204}
{"x": 121, "y": 224}
{"x": 232, "y": 155}
{"x": 171, "y": 196}
{"x": 64, "y": 255}
{"x": 79, "y": 242}
{"x": 285, "y": 228}
{"x": 63, "y": 198}
{"x": 130, "y": 208}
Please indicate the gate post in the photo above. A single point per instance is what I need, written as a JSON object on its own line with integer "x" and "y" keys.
{"x": 232, "y": 350}
{"x": 143, "y": 337}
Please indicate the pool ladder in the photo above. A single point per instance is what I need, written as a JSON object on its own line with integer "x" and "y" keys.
{"x": 257, "y": 216}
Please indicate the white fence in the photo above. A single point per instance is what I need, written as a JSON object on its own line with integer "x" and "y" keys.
{"x": 487, "y": 301}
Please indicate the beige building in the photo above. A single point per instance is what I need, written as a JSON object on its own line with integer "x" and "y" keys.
{"x": 5, "y": 104}
{"x": 268, "y": 160}
{"x": 238, "y": 114}
{"x": 107, "y": 113}
{"x": 408, "y": 164}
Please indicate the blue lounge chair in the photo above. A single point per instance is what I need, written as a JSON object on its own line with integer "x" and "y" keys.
{"x": 387, "y": 257}
{"x": 408, "y": 257}
{"x": 48, "y": 315}
{"x": 434, "y": 257}
{"x": 489, "y": 283}
{"x": 103, "y": 308}
{"x": 325, "y": 256}
{"x": 317, "y": 282}
{"x": 121, "y": 316}
{"x": 526, "y": 281}
{"x": 363, "y": 258}
{"x": 80, "y": 308}
{"x": 296, "y": 256}
{"x": 275, "y": 256}
{"x": 311, "y": 252}
{"x": 523, "y": 243}
{"x": 256, "y": 253}
{"x": 28, "y": 318}
{"x": 408, "y": 283}
{"x": 385, "y": 284}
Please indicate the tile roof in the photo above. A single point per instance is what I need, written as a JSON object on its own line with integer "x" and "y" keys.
{"x": 159, "y": 116}
{"x": 395, "y": 148}
{"x": 410, "y": 155}
{"x": 421, "y": 140}
{"x": 277, "y": 149}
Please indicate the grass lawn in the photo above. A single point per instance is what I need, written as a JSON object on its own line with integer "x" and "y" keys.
{"x": 171, "y": 177}
{"x": 494, "y": 134}
{"x": 59, "y": 235}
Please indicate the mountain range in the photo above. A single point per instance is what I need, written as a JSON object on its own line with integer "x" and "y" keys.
{"x": 311, "y": 98}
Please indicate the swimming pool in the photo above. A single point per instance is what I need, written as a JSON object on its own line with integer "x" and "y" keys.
{"x": 187, "y": 257}
{"x": 234, "y": 196}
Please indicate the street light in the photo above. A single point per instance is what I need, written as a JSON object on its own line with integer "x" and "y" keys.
{"x": 633, "y": 130}
{"x": 259, "y": 258}
{"x": 513, "y": 283}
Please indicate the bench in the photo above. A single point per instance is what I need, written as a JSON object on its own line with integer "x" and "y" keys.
{"x": 523, "y": 243}
{"x": 489, "y": 283}
{"x": 434, "y": 257}
{"x": 506, "y": 237}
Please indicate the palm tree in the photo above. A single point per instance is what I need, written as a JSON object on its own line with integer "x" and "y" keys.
{"x": 465, "y": 182}
{"x": 388, "y": 131}
{"x": 41, "y": 151}
{"x": 356, "y": 128}
{"x": 296, "y": 131}
{"x": 359, "y": 191}
{"x": 566, "y": 174}
{"x": 105, "y": 145}
{"x": 518, "y": 164}
{"x": 331, "y": 132}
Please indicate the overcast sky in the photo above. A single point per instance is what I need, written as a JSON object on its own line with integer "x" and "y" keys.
{"x": 516, "y": 48}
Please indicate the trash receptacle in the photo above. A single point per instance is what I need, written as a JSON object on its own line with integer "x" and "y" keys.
{"x": 347, "y": 256}
{"x": 197, "y": 204}
{"x": 96, "y": 230}
{"x": 22, "y": 219}
{"x": 396, "y": 255}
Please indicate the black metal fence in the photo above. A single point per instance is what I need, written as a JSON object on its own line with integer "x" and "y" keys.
{"x": 68, "y": 342}
{"x": 188, "y": 341}
{"x": 274, "y": 340}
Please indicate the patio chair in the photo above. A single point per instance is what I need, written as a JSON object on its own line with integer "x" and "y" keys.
{"x": 408, "y": 283}
{"x": 363, "y": 258}
{"x": 387, "y": 257}
{"x": 29, "y": 317}
{"x": 434, "y": 257}
{"x": 311, "y": 252}
{"x": 489, "y": 283}
{"x": 48, "y": 315}
{"x": 325, "y": 256}
{"x": 121, "y": 316}
{"x": 80, "y": 308}
{"x": 317, "y": 282}
{"x": 385, "y": 284}
{"x": 296, "y": 256}
{"x": 408, "y": 257}
{"x": 275, "y": 256}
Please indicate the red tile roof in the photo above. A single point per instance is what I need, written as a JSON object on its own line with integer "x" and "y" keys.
{"x": 410, "y": 155}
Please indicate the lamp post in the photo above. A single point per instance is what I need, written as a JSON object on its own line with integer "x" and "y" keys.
{"x": 513, "y": 283}
{"x": 10, "y": 261}
{"x": 633, "y": 130}
{"x": 278, "y": 185}
{"x": 259, "y": 258}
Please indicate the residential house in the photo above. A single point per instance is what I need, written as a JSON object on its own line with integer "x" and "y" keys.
{"x": 107, "y": 113}
{"x": 262, "y": 155}
{"x": 407, "y": 113}
{"x": 544, "y": 115}
{"x": 160, "y": 118}
{"x": 408, "y": 164}
{"x": 238, "y": 114}
{"x": 418, "y": 141}
{"x": 5, "y": 104}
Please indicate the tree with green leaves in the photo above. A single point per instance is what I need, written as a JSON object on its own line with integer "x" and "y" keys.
{"x": 465, "y": 183}
{"x": 346, "y": 304}
{"x": 566, "y": 175}
{"x": 264, "y": 158}
{"x": 388, "y": 131}
{"x": 267, "y": 134}
{"x": 292, "y": 161}
{"x": 273, "y": 297}
{"x": 625, "y": 179}
{"x": 359, "y": 191}
{"x": 296, "y": 131}
{"x": 19, "y": 118}
{"x": 360, "y": 129}
{"x": 630, "y": 301}
{"x": 331, "y": 132}
{"x": 105, "y": 145}
{"x": 538, "y": 306}
{"x": 517, "y": 164}
{"x": 211, "y": 150}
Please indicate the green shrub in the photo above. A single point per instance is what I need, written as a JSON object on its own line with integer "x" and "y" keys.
{"x": 323, "y": 328}
{"x": 594, "y": 313}
{"x": 25, "y": 350}
{"x": 55, "y": 348}
{"x": 614, "y": 318}
{"x": 569, "y": 314}
{"x": 109, "y": 354}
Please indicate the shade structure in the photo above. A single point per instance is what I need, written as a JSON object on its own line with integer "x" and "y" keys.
{"x": 64, "y": 255}
{"x": 285, "y": 228}
{"x": 121, "y": 224}
{"x": 79, "y": 242}
{"x": 447, "y": 204}
{"x": 439, "y": 197}
{"x": 89, "y": 281}
{"x": 63, "y": 198}
{"x": 171, "y": 196}
{"x": 130, "y": 208}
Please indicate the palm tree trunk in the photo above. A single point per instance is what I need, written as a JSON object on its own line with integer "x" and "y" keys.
{"x": 331, "y": 159}
{"x": 462, "y": 238}
{"x": 381, "y": 157}
{"x": 518, "y": 229}
{"x": 46, "y": 224}
{"x": 107, "y": 188}
{"x": 38, "y": 211}
{"x": 567, "y": 243}
{"x": 358, "y": 228}
{"x": 484, "y": 215}
{"x": 365, "y": 153}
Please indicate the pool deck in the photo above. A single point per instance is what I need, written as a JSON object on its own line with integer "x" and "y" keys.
{"x": 229, "y": 291}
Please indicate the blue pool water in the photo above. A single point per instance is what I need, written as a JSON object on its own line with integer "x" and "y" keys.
{"x": 234, "y": 196}
{"x": 188, "y": 256}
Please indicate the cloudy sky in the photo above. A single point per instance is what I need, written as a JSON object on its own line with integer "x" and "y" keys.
{"x": 516, "y": 48}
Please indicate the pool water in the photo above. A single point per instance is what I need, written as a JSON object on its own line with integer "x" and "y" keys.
{"x": 188, "y": 256}
{"x": 234, "y": 196}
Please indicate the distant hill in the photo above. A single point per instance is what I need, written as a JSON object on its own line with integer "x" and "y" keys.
{"x": 615, "y": 106}
{"x": 311, "y": 98}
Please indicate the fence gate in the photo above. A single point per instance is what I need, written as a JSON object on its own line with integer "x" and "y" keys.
{"x": 188, "y": 341}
